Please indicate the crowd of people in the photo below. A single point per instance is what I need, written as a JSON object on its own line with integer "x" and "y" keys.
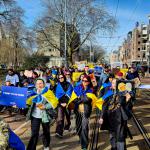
{"x": 54, "y": 94}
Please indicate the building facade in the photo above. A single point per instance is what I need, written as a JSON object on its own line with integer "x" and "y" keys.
{"x": 135, "y": 50}
{"x": 53, "y": 43}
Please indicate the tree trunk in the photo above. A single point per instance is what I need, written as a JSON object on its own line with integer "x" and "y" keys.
{"x": 69, "y": 57}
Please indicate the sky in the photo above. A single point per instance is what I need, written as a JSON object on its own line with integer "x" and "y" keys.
{"x": 126, "y": 12}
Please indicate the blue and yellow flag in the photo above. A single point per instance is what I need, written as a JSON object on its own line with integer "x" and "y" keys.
{"x": 15, "y": 142}
{"x": 103, "y": 98}
{"x": 47, "y": 94}
{"x": 60, "y": 91}
{"x": 104, "y": 85}
{"x": 78, "y": 91}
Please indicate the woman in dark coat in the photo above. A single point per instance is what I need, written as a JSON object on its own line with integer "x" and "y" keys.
{"x": 63, "y": 92}
{"x": 114, "y": 117}
{"x": 83, "y": 109}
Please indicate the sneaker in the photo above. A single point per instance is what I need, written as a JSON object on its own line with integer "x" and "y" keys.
{"x": 59, "y": 135}
{"x": 46, "y": 148}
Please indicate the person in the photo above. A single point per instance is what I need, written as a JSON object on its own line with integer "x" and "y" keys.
{"x": 53, "y": 80}
{"x": 41, "y": 110}
{"x": 119, "y": 76}
{"x": 33, "y": 78}
{"x": 79, "y": 80}
{"x": 132, "y": 74}
{"x": 12, "y": 77}
{"x": 8, "y": 108}
{"x": 86, "y": 69}
{"x": 63, "y": 92}
{"x": 68, "y": 77}
{"x": 8, "y": 139}
{"x": 83, "y": 109}
{"x": 104, "y": 76}
{"x": 22, "y": 77}
{"x": 4, "y": 135}
{"x": 114, "y": 116}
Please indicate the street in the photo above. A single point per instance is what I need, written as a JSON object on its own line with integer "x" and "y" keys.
{"x": 71, "y": 141}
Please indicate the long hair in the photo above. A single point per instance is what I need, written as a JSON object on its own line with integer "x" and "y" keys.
{"x": 63, "y": 76}
{"x": 89, "y": 80}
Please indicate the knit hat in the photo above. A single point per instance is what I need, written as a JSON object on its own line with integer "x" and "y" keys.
{"x": 54, "y": 72}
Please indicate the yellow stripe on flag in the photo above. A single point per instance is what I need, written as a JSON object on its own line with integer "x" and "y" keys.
{"x": 73, "y": 97}
{"x": 49, "y": 95}
{"x": 76, "y": 75}
{"x": 29, "y": 100}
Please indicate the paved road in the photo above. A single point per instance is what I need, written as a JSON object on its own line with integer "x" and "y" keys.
{"x": 70, "y": 141}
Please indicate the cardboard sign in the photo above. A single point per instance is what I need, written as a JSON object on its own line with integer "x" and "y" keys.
{"x": 28, "y": 73}
{"x": 76, "y": 75}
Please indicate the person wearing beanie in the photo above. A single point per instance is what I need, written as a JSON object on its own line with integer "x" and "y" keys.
{"x": 119, "y": 75}
{"x": 41, "y": 104}
{"x": 53, "y": 80}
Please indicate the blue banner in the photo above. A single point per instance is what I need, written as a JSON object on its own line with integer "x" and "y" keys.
{"x": 11, "y": 96}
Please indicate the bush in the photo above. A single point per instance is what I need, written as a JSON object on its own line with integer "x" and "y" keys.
{"x": 35, "y": 61}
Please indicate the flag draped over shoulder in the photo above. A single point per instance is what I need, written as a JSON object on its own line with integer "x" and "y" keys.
{"x": 102, "y": 99}
{"x": 60, "y": 91}
{"x": 78, "y": 91}
{"x": 47, "y": 94}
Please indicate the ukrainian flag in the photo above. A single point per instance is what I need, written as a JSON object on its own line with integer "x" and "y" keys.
{"x": 47, "y": 94}
{"x": 78, "y": 91}
{"x": 102, "y": 99}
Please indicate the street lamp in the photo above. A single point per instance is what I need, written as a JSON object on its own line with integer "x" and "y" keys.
{"x": 91, "y": 52}
{"x": 65, "y": 33}
{"x": 90, "y": 49}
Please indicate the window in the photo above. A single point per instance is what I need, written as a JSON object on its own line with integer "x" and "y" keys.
{"x": 138, "y": 49}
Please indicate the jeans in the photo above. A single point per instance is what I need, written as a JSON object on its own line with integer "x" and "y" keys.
{"x": 115, "y": 144}
{"x": 62, "y": 113}
{"x": 35, "y": 127}
{"x": 82, "y": 124}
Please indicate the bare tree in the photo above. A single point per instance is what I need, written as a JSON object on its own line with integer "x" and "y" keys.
{"x": 15, "y": 40}
{"x": 97, "y": 53}
{"x": 85, "y": 18}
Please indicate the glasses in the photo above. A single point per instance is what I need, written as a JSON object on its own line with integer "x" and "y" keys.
{"x": 68, "y": 74}
{"x": 85, "y": 81}
{"x": 61, "y": 77}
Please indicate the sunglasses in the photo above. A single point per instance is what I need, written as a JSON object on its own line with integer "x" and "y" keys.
{"x": 85, "y": 81}
{"x": 61, "y": 77}
{"x": 67, "y": 74}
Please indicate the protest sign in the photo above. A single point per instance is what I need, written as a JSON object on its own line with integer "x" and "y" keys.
{"x": 76, "y": 75}
{"x": 13, "y": 96}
